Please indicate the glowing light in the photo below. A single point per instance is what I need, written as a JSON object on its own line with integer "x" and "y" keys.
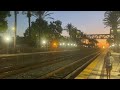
{"x": 68, "y": 44}
{"x": 44, "y": 42}
{"x": 103, "y": 47}
{"x": 13, "y": 28}
{"x": 7, "y": 39}
{"x": 63, "y": 43}
{"x": 54, "y": 44}
{"x": 113, "y": 45}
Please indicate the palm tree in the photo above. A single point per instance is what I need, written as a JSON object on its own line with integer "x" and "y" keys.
{"x": 29, "y": 14}
{"x": 42, "y": 14}
{"x": 112, "y": 20}
{"x": 69, "y": 29}
{"x": 110, "y": 41}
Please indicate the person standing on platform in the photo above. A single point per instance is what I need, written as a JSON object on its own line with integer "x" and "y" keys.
{"x": 108, "y": 61}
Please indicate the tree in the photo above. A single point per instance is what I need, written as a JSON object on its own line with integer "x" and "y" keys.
{"x": 3, "y": 21}
{"x": 69, "y": 29}
{"x": 28, "y": 14}
{"x": 42, "y": 14}
{"x": 110, "y": 41}
{"x": 38, "y": 25}
{"x": 112, "y": 20}
{"x": 56, "y": 29}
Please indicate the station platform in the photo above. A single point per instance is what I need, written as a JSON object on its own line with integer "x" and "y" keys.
{"x": 96, "y": 70}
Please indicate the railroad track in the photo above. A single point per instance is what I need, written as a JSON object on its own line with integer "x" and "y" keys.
{"x": 4, "y": 72}
{"x": 68, "y": 72}
{"x": 13, "y": 71}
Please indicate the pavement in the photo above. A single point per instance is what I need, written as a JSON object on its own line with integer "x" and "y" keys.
{"x": 96, "y": 70}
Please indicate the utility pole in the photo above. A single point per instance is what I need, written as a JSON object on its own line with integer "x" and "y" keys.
{"x": 15, "y": 26}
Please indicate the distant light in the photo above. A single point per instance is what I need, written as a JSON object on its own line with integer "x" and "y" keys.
{"x": 13, "y": 28}
{"x": 103, "y": 46}
{"x": 113, "y": 45}
{"x": 60, "y": 44}
{"x": 7, "y": 39}
{"x": 43, "y": 41}
{"x": 68, "y": 44}
{"x": 63, "y": 43}
{"x": 71, "y": 44}
{"x": 54, "y": 44}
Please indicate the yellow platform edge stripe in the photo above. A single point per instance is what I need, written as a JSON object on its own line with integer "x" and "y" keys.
{"x": 86, "y": 72}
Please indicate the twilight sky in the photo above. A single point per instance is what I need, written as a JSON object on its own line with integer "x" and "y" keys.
{"x": 90, "y": 22}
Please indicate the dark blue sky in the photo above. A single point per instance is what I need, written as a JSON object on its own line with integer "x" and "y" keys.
{"x": 87, "y": 21}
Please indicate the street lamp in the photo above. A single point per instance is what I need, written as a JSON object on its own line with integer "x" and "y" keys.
{"x": 7, "y": 39}
{"x": 44, "y": 42}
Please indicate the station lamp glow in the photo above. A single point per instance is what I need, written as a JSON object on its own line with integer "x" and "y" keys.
{"x": 13, "y": 28}
{"x": 7, "y": 39}
{"x": 113, "y": 45}
{"x": 43, "y": 42}
{"x": 60, "y": 44}
{"x": 54, "y": 43}
{"x": 103, "y": 47}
